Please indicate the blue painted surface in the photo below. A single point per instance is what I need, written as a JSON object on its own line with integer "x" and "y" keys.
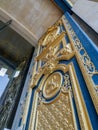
{"x": 62, "y": 28}
{"x": 87, "y": 43}
{"x": 61, "y": 46}
{"x": 95, "y": 79}
{"x": 67, "y": 39}
{"x": 87, "y": 98}
{"x": 65, "y": 1}
{"x": 42, "y": 63}
{"x": 76, "y": 114}
{"x": 20, "y": 122}
{"x": 92, "y": 51}
{"x": 30, "y": 105}
{"x": 30, "y": 108}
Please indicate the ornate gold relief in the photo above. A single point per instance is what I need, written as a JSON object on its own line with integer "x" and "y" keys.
{"x": 59, "y": 112}
{"x": 51, "y": 34}
{"x": 51, "y": 45}
{"x": 51, "y": 61}
{"x": 50, "y": 66}
{"x": 86, "y": 65}
{"x": 81, "y": 108}
{"x": 66, "y": 53}
{"x": 52, "y": 85}
{"x": 56, "y": 116}
{"x": 40, "y": 110}
{"x": 47, "y": 69}
{"x": 50, "y": 37}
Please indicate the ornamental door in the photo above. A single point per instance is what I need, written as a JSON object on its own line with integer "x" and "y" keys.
{"x": 63, "y": 86}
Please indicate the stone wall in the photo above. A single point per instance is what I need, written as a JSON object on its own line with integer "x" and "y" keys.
{"x": 35, "y": 16}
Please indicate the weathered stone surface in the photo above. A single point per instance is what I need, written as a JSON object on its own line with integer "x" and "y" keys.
{"x": 36, "y": 16}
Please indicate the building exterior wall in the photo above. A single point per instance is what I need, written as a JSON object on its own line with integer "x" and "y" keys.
{"x": 35, "y": 16}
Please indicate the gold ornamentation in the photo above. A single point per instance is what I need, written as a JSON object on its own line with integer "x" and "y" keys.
{"x": 33, "y": 114}
{"x": 36, "y": 77}
{"x": 66, "y": 53}
{"x": 59, "y": 112}
{"x": 86, "y": 65}
{"x": 52, "y": 85}
{"x": 67, "y": 83}
{"x": 29, "y": 91}
{"x": 50, "y": 66}
{"x": 82, "y": 112}
{"x": 81, "y": 108}
{"x": 57, "y": 115}
{"x": 47, "y": 69}
{"x": 50, "y": 54}
{"x": 51, "y": 45}
{"x": 51, "y": 34}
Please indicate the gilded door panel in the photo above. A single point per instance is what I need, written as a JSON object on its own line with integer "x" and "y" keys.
{"x": 57, "y": 114}
{"x": 59, "y": 100}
